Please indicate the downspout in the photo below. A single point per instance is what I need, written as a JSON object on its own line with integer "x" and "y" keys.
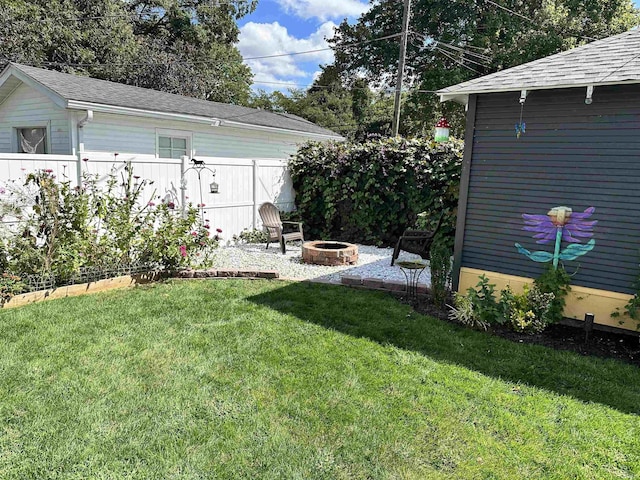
{"x": 80, "y": 150}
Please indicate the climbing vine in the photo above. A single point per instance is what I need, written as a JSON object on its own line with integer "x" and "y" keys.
{"x": 370, "y": 192}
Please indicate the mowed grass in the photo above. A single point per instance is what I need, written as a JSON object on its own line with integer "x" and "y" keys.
{"x": 238, "y": 379}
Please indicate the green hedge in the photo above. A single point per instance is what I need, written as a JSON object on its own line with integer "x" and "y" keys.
{"x": 370, "y": 192}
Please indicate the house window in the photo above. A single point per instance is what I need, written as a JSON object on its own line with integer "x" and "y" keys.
{"x": 32, "y": 140}
{"x": 171, "y": 147}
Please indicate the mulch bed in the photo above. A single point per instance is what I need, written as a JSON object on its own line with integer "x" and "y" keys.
{"x": 621, "y": 346}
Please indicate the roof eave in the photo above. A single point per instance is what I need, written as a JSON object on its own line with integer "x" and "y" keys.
{"x": 460, "y": 95}
{"x": 456, "y": 97}
{"x": 115, "y": 109}
{"x": 13, "y": 71}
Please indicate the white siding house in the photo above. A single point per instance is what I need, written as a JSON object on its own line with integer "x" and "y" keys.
{"x": 54, "y": 120}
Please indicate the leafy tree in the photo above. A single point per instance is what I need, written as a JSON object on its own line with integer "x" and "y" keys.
{"x": 451, "y": 42}
{"x": 327, "y": 103}
{"x": 180, "y": 46}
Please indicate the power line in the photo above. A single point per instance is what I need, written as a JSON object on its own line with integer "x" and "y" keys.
{"x": 293, "y": 84}
{"x": 205, "y": 62}
{"x": 444, "y": 52}
{"x": 435, "y": 41}
{"x": 620, "y": 67}
{"x": 437, "y": 46}
{"x": 338, "y": 47}
{"x": 524, "y": 17}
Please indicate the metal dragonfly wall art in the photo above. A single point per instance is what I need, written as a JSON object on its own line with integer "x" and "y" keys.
{"x": 560, "y": 224}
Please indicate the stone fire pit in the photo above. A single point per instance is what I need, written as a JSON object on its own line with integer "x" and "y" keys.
{"x": 326, "y": 252}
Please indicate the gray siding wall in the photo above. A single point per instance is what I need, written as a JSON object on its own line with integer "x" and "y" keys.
{"x": 572, "y": 154}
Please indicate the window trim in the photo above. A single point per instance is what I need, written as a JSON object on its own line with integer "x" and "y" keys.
{"x": 15, "y": 146}
{"x": 187, "y": 135}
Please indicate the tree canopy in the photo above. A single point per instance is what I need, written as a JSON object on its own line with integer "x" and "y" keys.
{"x": 449, "y": 42}
{"x": 179, "y": 46}
{"x": 453, "y": 41}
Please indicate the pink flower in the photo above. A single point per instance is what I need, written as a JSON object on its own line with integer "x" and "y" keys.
{"x": 49, "y": 170}
{"x": 207, "y": 226}
{"x": 200, "y": 205}
{"x": 137, "y": 177}
{"x": 151, "y": 204}
{"x": 171, "y": 205}
{"x": 2, "y": 191}
{"x": 183, "y": 250}
{"x": 219, "y": 230}
{"x": 85, "y": 159}
{"x": 195, "y": 234}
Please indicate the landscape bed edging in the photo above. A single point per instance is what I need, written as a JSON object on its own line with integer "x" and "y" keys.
{"x": 126, "y": 281}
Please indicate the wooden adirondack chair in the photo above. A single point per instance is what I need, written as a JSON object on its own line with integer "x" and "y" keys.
{"x": 271, "y": 221}
{"x": 416, "y": 241}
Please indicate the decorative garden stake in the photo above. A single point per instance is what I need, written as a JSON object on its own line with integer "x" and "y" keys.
{"x": 559, "y": 224}
{"x": 442, "y": 130}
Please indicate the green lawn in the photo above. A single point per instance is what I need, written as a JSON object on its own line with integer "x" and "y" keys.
{"x": 239, "y": 379}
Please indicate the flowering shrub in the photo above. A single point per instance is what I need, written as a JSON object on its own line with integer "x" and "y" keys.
{"x": 370, "y": 192}
{"x": 51, "y": 228}
{"x": 174, "y": 241}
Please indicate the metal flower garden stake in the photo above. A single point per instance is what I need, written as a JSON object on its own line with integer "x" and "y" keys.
{"x": 559, "y": 224}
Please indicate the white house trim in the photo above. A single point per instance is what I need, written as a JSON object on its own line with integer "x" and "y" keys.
{"x": 188, "y": 135}
{"x": 97, "y": 107}
{"x": 213, "y": 122}
{"x": 280, "y": 130}
{"x": 14, "y": 72}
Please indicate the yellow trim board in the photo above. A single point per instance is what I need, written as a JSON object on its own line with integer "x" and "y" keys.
{"x": 580, "y": 300}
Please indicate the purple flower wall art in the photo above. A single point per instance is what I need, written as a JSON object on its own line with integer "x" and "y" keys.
{"x": 560, "y": 224}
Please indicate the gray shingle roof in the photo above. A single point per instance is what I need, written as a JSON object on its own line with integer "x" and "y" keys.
{"x": 86, "y": 89}
{"x": 608, "y": 61}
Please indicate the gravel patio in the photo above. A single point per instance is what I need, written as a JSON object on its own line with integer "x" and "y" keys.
{"x": 373, "y": 262}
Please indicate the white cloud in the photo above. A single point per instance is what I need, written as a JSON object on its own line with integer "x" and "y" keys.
{"x": 325, "y": 9}
{"x": 266, "y": 39}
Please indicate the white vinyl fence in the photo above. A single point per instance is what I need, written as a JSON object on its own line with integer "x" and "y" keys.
{"x": 244, "y": 184}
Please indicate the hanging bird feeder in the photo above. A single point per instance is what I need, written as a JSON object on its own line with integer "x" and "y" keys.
{"x": 442, "y": 130}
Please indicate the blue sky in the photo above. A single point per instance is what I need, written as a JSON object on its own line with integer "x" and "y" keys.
{"x": 284, "y": 26}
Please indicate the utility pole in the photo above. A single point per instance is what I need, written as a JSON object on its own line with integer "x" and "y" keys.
{"x": 403, "y": 52}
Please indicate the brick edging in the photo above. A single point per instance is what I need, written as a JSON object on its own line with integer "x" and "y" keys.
{"x": 367, "y": 283}
{"x": 216, "y": 273}
{"x": 355, "y": 281}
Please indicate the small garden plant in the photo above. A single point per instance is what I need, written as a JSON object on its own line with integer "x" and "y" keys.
{"x": 531, "y": 311}
{"x": 440, "y": 266}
